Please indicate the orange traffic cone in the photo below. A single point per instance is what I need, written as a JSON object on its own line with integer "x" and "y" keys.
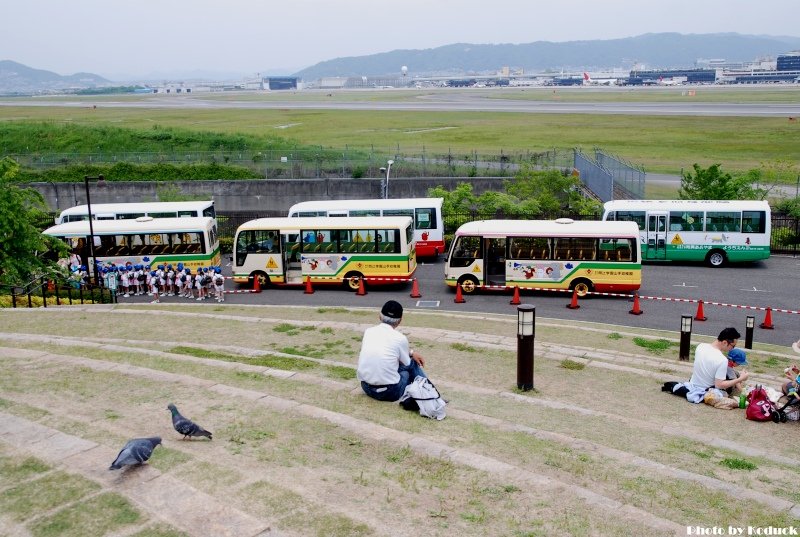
{"x": 415, "y": 290}
{"x": 309, "y": 289}
{"x": 459, "y": 298}
{"x": 636, "y": 309}
{"x": 361, "y": 290}
{"x": 767, "y": 324}
{"x": 256, "y": 284}
{"x": 700, "y": 316}
{"x": 515, "y": 299}
{"x": 574, "y": 304}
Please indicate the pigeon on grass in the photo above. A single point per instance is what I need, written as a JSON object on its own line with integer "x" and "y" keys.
{"x": 136, "y": 451}
{"x": 186, "y": 426}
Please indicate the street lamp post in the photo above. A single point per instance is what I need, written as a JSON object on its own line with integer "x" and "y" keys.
{"x": 526, "y": 331}
{"x": 750, "y": 324}
{"x": 385, "y": 181}
{"x": 686, "y": 337}
{"x": 101, "y": 181}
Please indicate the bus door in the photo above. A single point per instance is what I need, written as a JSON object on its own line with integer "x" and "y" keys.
{"x": 656, "y": 236}
{"x": 496, "y": 261}
{"x": 290, "y": 247}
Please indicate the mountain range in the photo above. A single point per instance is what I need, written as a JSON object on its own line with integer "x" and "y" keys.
{"x": 654, "y": 50}
{"x": 16, "y": 78}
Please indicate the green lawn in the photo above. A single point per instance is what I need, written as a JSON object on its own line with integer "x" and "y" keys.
{"x": 659, "y": 143}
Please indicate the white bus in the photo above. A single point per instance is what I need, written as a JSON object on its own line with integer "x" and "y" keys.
{"x": 145, "y": 241}
{"x": 131, "y": 211}
{"x": 715, "y": 232}
{"x": 290, "y": 251}
{"x": 584, "y": 256}
{"x": 426, "y": 212}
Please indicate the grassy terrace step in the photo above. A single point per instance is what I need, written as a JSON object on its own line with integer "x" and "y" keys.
{"x": 645, "y": 452}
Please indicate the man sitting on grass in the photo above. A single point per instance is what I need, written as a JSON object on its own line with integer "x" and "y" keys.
{"x": 385, "y": 365}
{"x": 709, "y": 380}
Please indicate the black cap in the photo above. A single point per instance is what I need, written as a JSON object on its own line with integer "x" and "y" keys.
{"x": 392, "y": 309}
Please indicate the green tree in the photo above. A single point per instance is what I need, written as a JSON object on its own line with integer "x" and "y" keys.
{"x": 712, "y": 184}
{"x": 549, "y": 192}
{"x": 22, "y": 245}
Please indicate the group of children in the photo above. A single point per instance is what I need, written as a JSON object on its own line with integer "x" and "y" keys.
{"x": 134, "y": 280}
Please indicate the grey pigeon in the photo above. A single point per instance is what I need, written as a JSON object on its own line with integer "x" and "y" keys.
{"x": 136, "y": 451}
{"x": 186, "y": 426}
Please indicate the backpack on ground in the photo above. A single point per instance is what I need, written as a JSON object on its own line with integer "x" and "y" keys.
{"x": 760, "y": 408}
{"x": 423, "y": 394}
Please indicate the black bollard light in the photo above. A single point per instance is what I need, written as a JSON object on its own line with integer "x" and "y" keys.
{"x": 526, "y": 331}
{"x": 686, "y": 337}
{"x": 750, "y": 324}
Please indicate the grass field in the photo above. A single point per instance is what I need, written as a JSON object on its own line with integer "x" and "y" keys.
{"x": 659, "y": 143}
{"x": 596, "y": 449}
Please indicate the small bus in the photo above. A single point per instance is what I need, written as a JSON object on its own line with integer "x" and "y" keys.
{"x": 583, "y": 256}
{"x": 426, "y": 213}
{"x": 714, "y": 232}
{"x": 132, "y": 211}
{"x": 145, "y": 241}
{"x": 325, "y": 250}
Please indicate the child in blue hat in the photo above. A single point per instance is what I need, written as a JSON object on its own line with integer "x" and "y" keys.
{"x": 736, "y": 357}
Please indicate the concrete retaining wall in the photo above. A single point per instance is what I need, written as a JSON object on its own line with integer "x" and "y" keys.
{"x": 255, "y": 195}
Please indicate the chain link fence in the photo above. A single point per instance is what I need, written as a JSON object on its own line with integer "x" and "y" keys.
{"x": 326, "y": 163}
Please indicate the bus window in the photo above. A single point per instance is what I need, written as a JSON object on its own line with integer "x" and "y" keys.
{"x": 399, "y": 212}
{"x": 387, "y": 240}
{"x": 187, "y": 214}
{"x": 425, "y": 218}
{"x": 129, "y": 216}
{"x": 727, "y": 221}
{"x": 753, "y": 221}
{"x": 466, "y": 250}
{"x": 629, "y": 216}
{"x": 685, "y": 221}
{"x": 366, "y": 212}
{"x": 163, "y": 215}
{"x": 584, "y": 249}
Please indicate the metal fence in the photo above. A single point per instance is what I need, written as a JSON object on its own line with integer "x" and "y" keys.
{"x": 326, "y": 163}
{"x": 595, "y": 176}
{"x": 628, "y": 178}
{"x": 56, "y": 291}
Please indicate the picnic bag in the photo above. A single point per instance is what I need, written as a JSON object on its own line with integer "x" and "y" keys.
{"x": 759, "y": 407}
{"x": 423, "y": 394}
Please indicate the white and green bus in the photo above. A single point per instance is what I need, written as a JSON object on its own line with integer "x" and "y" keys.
{"x": 145, "y": 241}
{"x": 583, "y": 256}
{"x": 325, "y": 250}
{"x": 714, "y": 232}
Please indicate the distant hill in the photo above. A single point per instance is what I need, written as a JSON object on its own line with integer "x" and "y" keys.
{"x": 663, "y": 50}
{"x": 16, "y": 78}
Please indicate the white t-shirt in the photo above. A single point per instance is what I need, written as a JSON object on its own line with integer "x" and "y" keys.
{"x": 383, "y": 349}
{"x": 709, "y": 364}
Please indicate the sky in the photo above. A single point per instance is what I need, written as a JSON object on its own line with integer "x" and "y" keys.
{"x": 125, "y": 40}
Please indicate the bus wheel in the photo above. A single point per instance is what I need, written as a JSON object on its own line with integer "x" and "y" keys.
{"x": 263, "y": 279}
{"x": 468, "y": 284}
{"x": 352, "y": 280}
{"x": 716, "y": 258}
{"x": 582, "y": 287}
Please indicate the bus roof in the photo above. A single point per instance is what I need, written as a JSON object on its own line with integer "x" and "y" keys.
{"x": 156, "y": 206}
{"x": 680, "y": 205}
{"x": 380, "y": 203}
{"x": 549, "y": 228}
{"x": 139, "y": 225}
{"x": 328, "y": 222}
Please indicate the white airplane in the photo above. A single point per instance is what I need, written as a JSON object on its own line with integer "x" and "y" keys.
{"x": 588, "y": 81}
